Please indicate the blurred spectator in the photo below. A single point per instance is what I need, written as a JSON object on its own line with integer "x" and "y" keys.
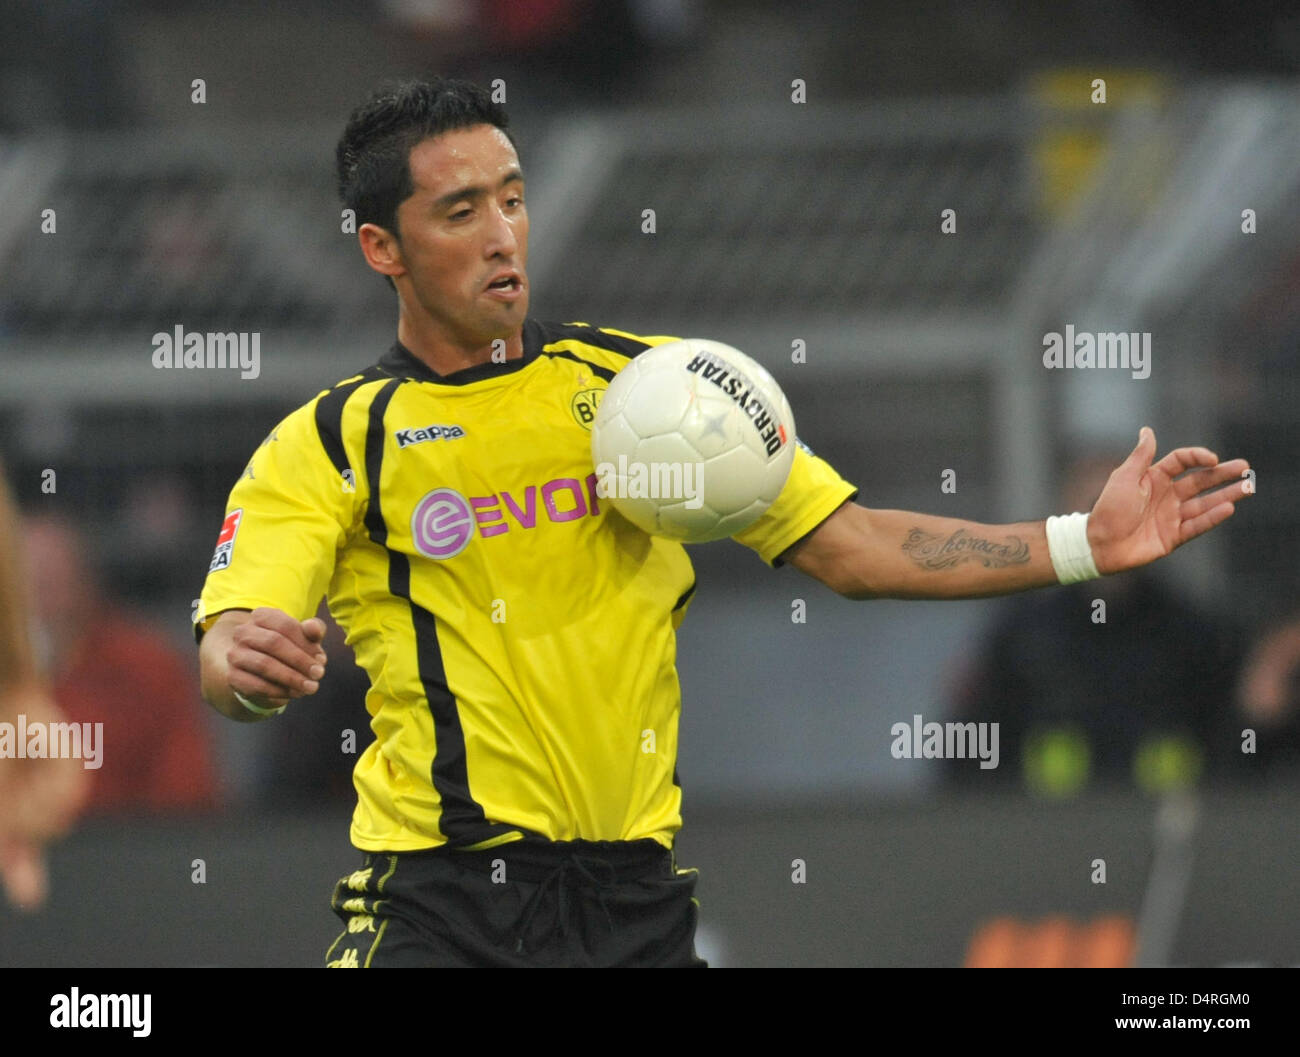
{"x": 147, "y": 550}
{"x": 39, "y": 798}
{"x": 311, "y": 756}
{"x": 59, "y": 65}
{"x": 1144, "y": 697}
{"x": 105, "y": 668}
{"x": 565, "y": 51}
{"x": 592, "y": 51}
{"x": 1269, "y": 698}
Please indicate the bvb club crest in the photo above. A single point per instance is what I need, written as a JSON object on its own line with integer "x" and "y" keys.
{"x": 583, "y": 406}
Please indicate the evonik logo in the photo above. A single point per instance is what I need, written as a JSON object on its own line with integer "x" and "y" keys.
{"x": 445, "y": 521}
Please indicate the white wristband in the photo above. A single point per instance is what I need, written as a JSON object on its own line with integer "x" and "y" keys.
{"x": 1068, "y": 547}
{"x": 257, "y": 710}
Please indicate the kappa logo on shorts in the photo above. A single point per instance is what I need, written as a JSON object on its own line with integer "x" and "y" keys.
{"x": 226, "y": 540}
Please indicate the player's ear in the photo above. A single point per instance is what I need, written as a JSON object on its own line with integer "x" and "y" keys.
{"x": 382, "y": 249}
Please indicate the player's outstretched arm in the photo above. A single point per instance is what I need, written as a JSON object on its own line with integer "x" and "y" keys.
{"x": 264, "y": 655}
{"x": 1146, "y": 511}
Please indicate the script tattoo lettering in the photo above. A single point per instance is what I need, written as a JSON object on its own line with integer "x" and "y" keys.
{"x": 934, "y": 552}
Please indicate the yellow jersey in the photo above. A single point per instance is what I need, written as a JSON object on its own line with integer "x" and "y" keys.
{"x": 519, "y": 635}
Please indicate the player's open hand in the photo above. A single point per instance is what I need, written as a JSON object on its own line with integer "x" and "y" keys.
{"x": 1147, "y": 509}
{"x": 274, "y": 659}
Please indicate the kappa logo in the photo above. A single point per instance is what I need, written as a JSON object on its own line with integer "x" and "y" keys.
{"x": 406, "y": 437}
{"x": 226, "y": 540}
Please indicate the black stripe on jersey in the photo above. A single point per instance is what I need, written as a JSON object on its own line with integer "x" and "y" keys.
{"x": 329, "y": 417}
{"x": 585, "y": 332}
{"x": 329, "y": 423}
{"x": 686, "y": 597}
{"x": 462, "y": 820}
{"x": 375, "y": 525}
{"x": 594, "y": 368}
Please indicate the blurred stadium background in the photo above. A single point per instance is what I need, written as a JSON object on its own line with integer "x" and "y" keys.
{"x": 777, "y": 222}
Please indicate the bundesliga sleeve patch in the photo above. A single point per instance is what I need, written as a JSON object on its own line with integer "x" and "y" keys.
{"x": 226, "y": 541}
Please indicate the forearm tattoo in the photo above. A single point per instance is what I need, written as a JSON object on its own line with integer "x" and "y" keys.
{"x": 934, "y": 552}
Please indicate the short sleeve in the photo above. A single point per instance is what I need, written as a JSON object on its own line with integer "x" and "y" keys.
{"x": 286, "y": 519}
{"x": 812, "y": 493}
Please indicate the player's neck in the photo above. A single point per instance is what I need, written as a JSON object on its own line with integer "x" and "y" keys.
{"x": 444, "y": 355}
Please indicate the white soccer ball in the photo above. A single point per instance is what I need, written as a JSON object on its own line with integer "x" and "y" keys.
{"x": 693, "y": 440}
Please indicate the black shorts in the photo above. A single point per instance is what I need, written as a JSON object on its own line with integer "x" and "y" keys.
{"x": 531, "y": 902}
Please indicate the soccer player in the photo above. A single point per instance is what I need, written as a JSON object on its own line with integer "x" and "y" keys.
{"x": 519, "y": 635}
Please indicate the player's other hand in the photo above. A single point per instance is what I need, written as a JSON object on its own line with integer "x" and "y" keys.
{"x": 1148, "y": 509}
{"x": 274, "y": 659}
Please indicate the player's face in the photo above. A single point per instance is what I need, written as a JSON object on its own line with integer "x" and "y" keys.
{"x": 464, "y": 236}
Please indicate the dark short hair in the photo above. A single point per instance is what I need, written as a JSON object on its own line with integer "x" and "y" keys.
{"x": 373, "y": 155}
